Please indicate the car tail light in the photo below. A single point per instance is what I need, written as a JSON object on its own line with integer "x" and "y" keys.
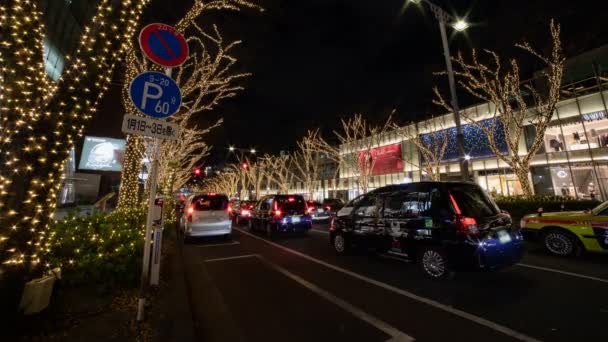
{"x": 331, "y": 224}
{"x": 190, "y": 210}
{"x": 229, "y": 208}
{"x": 466, "y": 225}
{"x": 211, "y": 194}
{"x": 310, "y": 209}
{"x": 245, "y": 212}
{"x": 328, "y": 208}
{"x": 291, "y": 199}
{"x": 277, "y": 213}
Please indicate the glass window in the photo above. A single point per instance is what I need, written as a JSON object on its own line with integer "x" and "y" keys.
{"x": 288, "y": 203}
{"x": 472, "y": 201}
{"x": 367, "y": 206}
{"x": 210, "y": 202}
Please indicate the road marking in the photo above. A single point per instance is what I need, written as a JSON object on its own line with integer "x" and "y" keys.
{"x": 219, "y": 244}
{"x": 232, "y": 258}
{"x": 572, "y": 274}
{"x": 481, "y": 321}
{"x": 319, "y": 231}
{"x": 396, "y": 334}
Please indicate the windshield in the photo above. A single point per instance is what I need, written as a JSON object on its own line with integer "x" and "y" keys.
{"x": 472, "y": 201}
{"x": 210, "y": 202}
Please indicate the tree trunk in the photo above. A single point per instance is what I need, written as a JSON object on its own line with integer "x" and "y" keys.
{"x": 522, "y": 175}
{"x": 128, "y": 195}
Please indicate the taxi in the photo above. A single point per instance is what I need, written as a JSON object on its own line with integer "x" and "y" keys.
{"x": 569, "y": 233}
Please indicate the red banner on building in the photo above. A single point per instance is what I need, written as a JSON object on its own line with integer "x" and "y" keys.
{"x": 386, "y": 159}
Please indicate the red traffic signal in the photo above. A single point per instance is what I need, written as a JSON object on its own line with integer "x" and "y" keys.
{"x": 197, "y": 172}
{"x": 245, "y": 166}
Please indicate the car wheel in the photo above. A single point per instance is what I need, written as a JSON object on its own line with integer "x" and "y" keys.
{"x": 269, "y": 231}
{"x": 560, "y": 243}
{"x": 341, "y": 244}
{"x": 433, "y": 262}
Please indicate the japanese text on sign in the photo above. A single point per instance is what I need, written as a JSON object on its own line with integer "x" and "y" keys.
{"x": 149, "y": 127}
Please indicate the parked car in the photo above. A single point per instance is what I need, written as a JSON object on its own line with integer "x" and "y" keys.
{"x": 206, "y": 215}
{"x": 333, "y": 205}
{"x": 443, "y": 226}
{"x": 242, "y": 211}
{"x": 317, "y": 211}
{"x": 280, "y": 213}
{"x": 569, "y": 233}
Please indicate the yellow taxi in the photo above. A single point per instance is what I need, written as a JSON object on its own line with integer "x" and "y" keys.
{"x": 568, "y": 233}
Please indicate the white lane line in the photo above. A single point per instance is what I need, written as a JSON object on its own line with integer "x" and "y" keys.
{"x": 481, "y": 321}
{"x": 219, "y": 244}
{"x": 319, "y": 231}
{"x": 232, "y": 258}
{"x": 396, "y": 334}
{"x": 572, "y": 274}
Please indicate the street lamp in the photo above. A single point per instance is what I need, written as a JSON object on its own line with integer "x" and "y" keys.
{"x": 252, "y": 151}
{"x": 459, "y": 25}
{"x": 231, "y": 148}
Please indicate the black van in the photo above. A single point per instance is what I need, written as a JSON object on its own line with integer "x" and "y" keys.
{"x": 280, "y": 213}
{"x": 443, "y": 226}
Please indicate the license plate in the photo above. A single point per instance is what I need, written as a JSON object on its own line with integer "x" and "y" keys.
{"x": 295, "y": 219}
{"x": 503, "y": 236}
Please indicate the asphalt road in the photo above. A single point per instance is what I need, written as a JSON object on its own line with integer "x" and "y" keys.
{"x": 295, "y": 288}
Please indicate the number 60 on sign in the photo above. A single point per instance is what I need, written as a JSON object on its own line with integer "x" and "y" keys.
{"x": 155, "y": 94}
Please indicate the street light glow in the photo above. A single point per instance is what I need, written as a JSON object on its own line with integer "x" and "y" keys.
{"x": 253, "y": 151}
{"x": 467, "y": 157}
{"x": 460, "y": 25}
{"x": 231, "y": 148}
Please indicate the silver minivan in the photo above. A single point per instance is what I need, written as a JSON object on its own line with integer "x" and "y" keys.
{"x": 207, "y": 215}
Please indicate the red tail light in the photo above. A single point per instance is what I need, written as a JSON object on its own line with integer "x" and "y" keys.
{"x": 190, "y": 212}
{"x": 277, "y": 213}
{"x": 331, "y": 224}
{"x": 328, "y": 208}
{"x": 291, "y": 199}
{"x": 466, "y": 225}
{"x": 229, "y": 208}
{"x": 310, "y": 209}
{"x": 245, "y": 212}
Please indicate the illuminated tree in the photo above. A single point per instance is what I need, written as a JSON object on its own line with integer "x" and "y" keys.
{"x": 516, "y": 105}
{"x": 257, "y": 174}
{"x": 206, "y": 78}
{"x": 223, "y": 183}
{"x": 307, "y": 159}
{"x": 179, "y": 157}
{"x": 280, "y": 172}
{"x": 432, "y": 145}
{"x": 41, "y": 119}
{"x": 359, "y": 139}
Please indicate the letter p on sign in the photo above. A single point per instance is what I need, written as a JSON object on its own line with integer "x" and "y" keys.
{"x": 147, "y": 95}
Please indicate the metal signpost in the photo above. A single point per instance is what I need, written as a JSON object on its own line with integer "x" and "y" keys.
{"x": 156, "y": 95}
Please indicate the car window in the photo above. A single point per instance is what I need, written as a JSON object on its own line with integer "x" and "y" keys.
{"x": 471, "y": 201}
{"x": 291, "y": 203}
{"x": 265, "y": 204}
{"x": 210, "y": 202}
{"x": 366, "y": 206}
{"x": 421, "y": 201}
{"x": 354, "y": 202}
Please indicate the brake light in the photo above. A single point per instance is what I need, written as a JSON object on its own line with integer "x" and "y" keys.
{"x": 466, "y": 225}
{"x": 211, "y": 194}
{"x": 310, "y": 209}
{"x": 190, "y": 210}
{"x": 331, "y": 224}
{"x": 277, "y": 213}
{"x": 291, "y": 199}
{"x": 328, "y": 208}
{"x": 229, "y": 208}
{"x": 455, "y": 205}
{"x": 245, "y": 212}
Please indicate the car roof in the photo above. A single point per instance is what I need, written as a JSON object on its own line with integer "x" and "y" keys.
{"x": 395, "y": 187}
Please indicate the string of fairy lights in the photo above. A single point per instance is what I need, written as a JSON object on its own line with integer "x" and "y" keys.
{"x": 42, "y": 120}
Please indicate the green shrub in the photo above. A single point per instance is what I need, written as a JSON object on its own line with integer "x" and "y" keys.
{"x": 519, "y": 206}
{"x": 100, "y": 249}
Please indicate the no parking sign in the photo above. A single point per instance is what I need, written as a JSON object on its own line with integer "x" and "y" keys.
{"x": 163, "y": 45}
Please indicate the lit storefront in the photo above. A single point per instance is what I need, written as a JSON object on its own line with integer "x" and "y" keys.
{"x": 572, "y": 162}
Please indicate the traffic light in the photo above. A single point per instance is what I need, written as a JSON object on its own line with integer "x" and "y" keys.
{"x": 244, "y": 166}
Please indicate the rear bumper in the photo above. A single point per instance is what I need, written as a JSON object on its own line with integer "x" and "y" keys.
{"x": 209, "y": 229}
{"x": 294, "y": 227}
{"x": 321, "y": 217}
{"x": 488, "y": 254}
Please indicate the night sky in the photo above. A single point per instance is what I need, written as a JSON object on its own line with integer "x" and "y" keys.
{"x": 316, "y": 61}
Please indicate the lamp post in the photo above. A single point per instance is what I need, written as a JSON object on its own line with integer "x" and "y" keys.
{"x": 459, "y": 25}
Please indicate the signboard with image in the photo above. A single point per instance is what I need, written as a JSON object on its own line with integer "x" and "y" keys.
{"x": 102, "y": 154}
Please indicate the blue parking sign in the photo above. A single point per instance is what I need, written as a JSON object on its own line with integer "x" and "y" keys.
{"x": 155, "y": 94}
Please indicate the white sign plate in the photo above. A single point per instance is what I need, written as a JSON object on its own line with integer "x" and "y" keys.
{"x": 149, "y": 127}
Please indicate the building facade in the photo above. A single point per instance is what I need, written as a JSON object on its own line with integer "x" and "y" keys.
{"x": 573, "y": 160}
